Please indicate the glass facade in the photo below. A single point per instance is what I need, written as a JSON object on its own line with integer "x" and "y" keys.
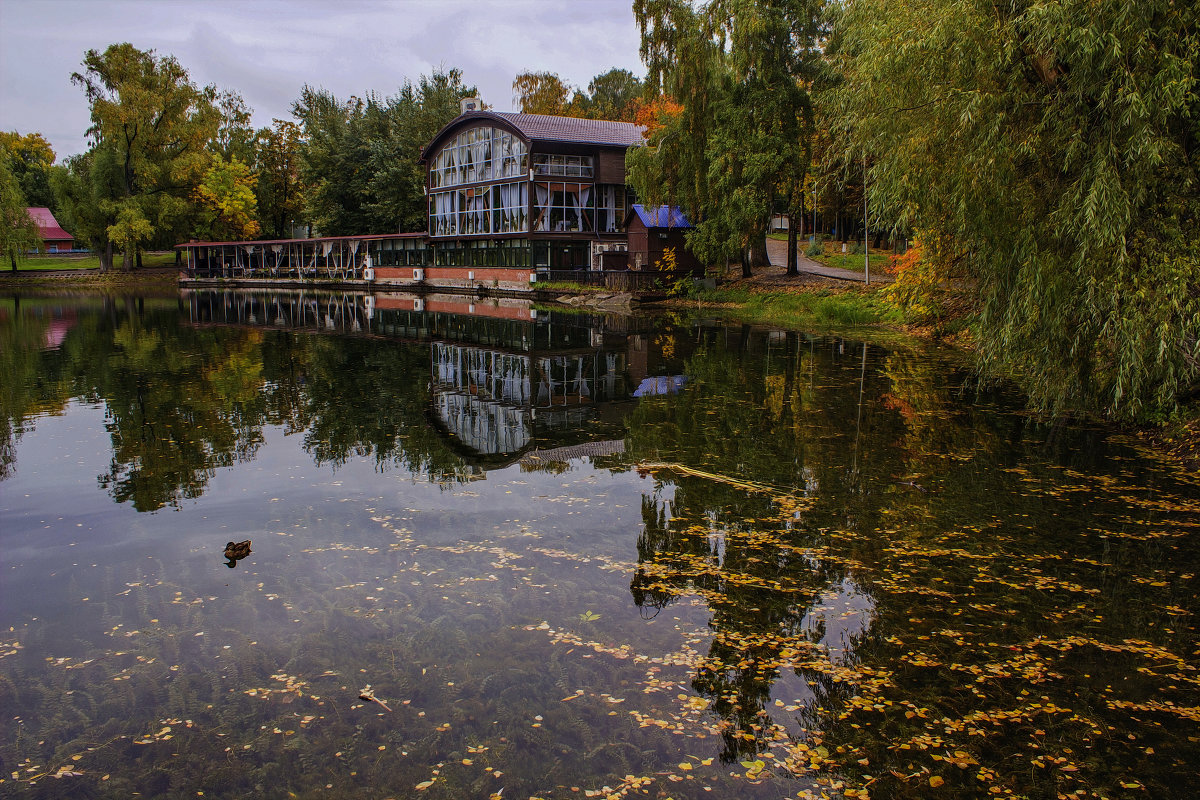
{"x": 612, "y": 202}
{"x": 561, "y": 165}
{"x": 499, "y": 208}
{"x": 563, "y": 207}
{"x": 477, "y": 155}
{"x": 484, "y": 253}
{"x": 484, "y": 182}
{"x": 400, "y": 253}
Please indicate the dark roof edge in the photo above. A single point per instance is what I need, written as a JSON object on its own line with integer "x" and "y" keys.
{"x": 512, "y": 122}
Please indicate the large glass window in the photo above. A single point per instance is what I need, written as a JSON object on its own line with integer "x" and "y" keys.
{"x": 510, "y": 208}
{"x": 476, "y": 155}
{"x": 563, "y": 207}
{"x": 563, "y": 166}
{"x": 612, "y": 203}
{"x": 400, "y": 253}
{"x": 484, "y": 253}
{"x": 501, "y": 208}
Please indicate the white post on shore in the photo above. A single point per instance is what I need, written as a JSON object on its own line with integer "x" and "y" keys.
{"x": 866, "y": 227}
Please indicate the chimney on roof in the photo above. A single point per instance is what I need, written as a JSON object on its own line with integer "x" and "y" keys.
{"x": 469, "y": 104}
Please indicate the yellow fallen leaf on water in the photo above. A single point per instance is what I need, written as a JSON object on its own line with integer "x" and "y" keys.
{"x": 685, "y": 765}
{"x": 423, "y": 785}
{"x": 936, "y": 781}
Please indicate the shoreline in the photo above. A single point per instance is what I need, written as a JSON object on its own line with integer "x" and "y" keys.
{"x": 767, "y": 298}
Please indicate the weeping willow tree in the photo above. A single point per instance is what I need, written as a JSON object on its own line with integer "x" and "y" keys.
{"x": 1050, "y": 149}
{"x": 738, "y": 124}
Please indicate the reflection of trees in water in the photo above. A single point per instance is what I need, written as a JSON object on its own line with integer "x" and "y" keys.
{"x": 1002, "y": 566}
{"x": 363, "y": 399}
{"x": 182, "y": 402}
{"x": 26, "y": 386}
{"x": 789, "y": 452}
{"x": 773, "y": 594}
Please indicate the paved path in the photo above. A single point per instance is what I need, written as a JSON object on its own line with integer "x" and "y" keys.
{"x": 777, "y": 255}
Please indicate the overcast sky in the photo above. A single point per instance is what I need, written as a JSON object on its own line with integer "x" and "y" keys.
{"x": 267, "y": 50}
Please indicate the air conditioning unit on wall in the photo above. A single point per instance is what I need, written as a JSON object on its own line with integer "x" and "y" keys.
{"x": 418, "y": 274}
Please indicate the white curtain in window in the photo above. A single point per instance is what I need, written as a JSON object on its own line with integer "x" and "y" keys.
{"x": 608, "y": 201}
{"x": 482, "y": 155}
{"x": 585, "y": 194}
{"x": 444, "y": 213}
{"x": 543, "y": 199}
{"x": 478, "y": 205}
{"x": 507, "y": 203}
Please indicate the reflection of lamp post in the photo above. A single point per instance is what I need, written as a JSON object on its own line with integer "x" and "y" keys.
{"x": 866, "y": 227}
{"x": 862, "y": 379}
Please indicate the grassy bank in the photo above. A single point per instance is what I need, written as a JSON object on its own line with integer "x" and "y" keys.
{"x": 156, "y": 260}
{"x": 853, "y": 261}
{"x": 799, "y": 307}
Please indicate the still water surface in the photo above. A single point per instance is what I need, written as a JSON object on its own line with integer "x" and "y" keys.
{"x": 503, "y": 552}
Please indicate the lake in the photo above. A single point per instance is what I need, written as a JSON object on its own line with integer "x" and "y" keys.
{"x": 504, "y": 551}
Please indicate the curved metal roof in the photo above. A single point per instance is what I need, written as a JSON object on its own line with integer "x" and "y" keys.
{"x": 546, "y": 128}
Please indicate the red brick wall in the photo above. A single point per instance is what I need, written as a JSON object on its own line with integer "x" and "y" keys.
{"x": 506, "y": 277}
{"x": 453, "y": 305}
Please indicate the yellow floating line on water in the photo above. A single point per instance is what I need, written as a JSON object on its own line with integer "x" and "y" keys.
{"x": 712, "y": 476}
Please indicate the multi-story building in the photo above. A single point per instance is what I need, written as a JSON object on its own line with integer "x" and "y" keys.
{"x": 527, "y": 190}
{"x": 513, "y": 198}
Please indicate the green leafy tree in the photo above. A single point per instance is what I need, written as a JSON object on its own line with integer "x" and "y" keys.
{"x": 333, "y": 162}
{"x": 414, "y": 116}
{"x": 1056, "y": 146}
{"x": 18, "y": 232}
{"x": 280, "y": 200}
{"x": 227, "y": 192}
{"x": 739, "y": 70}
{"x": 129, "y": 231}
{"x": 235, "y": 136}
{"x": 155, "y": 125}
{"x": 540, "y": 93}
{"x": 31, "y": 159}
{"x": 358, "y": 160}
{"x": 613, "y": 95}
{"x": 84, "y": 189}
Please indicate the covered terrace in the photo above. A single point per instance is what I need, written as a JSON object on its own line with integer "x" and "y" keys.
{"x": 336, "y": 258}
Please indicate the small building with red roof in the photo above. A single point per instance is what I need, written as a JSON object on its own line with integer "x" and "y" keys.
{"x": 54, "y": 237}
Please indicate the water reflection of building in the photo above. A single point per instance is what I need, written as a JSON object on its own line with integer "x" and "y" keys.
{"x": 494, "y": 401}
{"x": 506, "y": 380}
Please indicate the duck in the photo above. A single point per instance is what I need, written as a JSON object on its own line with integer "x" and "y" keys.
{"x": 235, "y": 551}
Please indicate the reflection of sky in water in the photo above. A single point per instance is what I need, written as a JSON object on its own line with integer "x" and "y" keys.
{"x": 842, "y": 614}
{"x": 788, "y": 529}
{"x": 468, "y": 569}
